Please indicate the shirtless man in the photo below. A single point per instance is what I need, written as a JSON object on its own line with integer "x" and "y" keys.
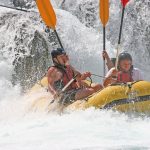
{"x": 61, "y": 73}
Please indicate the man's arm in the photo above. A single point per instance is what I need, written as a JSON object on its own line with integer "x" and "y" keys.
{"x": 52, "y": 77}
{"x": 81, "y": 77}
{"x": 109, "y": 78}
{"x": 109, "y": 63}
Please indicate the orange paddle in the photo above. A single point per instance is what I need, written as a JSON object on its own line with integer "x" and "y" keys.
{"x": 104, "y": 17}
{"x": 48, "y": 15}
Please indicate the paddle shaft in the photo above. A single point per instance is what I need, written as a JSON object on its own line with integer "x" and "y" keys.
{"x": 69, "y": 83}
{"x": 104, "y": 48}
{"x": 104, "y": 17}
{"x": 66, "y": 86}
{"x": 98, "y": 76}
{"x": 14, "y": 8}
{"x": 120, "y": 33}
{"x": 119, "y": 40}
{"x": 60, "y": 43}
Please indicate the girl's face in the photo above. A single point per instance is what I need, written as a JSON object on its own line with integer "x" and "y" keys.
{"x": 125, "y": 65}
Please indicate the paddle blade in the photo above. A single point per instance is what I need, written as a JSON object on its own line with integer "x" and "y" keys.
{"x": 124, "y": 2}
{"x": 47, "y": 12}
{"x": 104, "y": 11}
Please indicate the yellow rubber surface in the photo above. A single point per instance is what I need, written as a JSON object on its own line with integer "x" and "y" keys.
{"x": 124, "y": 98}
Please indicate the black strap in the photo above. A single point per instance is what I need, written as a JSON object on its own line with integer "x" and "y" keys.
{"x": 62, "y": 68}
{"x": 126, "y": 101}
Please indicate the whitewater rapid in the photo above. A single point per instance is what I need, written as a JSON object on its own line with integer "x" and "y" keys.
{"x": 21, "y": 129}
{"x": 81, "y": 130}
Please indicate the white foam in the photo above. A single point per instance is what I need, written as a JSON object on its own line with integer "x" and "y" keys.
{"x": 86, "y": 130}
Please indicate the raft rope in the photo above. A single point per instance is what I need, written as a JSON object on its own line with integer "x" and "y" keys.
{"x": 98, "y": 76}
{"x": 125, "y": 84}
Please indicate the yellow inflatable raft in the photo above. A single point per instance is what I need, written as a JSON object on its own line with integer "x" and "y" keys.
{"x": 133, "y": 96}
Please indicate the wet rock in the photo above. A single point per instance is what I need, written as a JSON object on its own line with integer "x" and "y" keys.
{"x": 31, "y": 67}
{"x": 24, "y": 3}
{"x": 27, "y": 48}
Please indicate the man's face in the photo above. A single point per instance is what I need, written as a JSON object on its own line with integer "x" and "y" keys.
{"x": 63, "y": 59}
{"x": 125, "y": 65}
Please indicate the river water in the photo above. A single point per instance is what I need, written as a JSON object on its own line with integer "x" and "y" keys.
{"x": 91, "y": 129}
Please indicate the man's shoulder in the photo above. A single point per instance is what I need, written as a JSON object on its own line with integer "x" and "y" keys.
{"x": 51, "y": 69}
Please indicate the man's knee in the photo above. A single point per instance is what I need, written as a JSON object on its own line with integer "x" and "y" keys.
{"x": 84, "y": 93}
{"x": 97, "y": 87}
